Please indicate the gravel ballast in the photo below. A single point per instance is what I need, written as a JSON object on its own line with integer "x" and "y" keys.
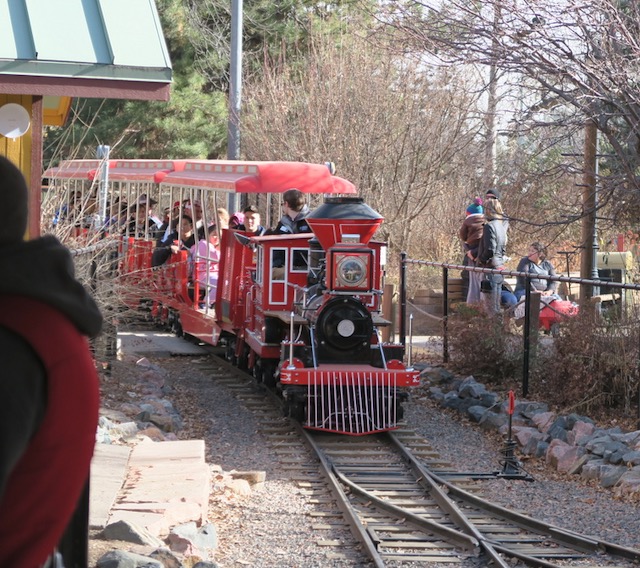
{"x": 272, "y": 526}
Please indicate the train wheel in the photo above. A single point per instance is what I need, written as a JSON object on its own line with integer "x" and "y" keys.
{"x": 230, "y": 353}
{"x": 296, "y": 411}
{"x": 243, "y": 359}
{"x": 176, "y": 326}
{"x": 257, "y": 370}
{"x": 268, "y": 374}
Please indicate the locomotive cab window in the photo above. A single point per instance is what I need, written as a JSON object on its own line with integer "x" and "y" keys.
{"x": 300, "y": 260}
{"x": 279, "y": 259}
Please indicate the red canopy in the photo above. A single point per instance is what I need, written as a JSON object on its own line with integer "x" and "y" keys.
{"x": 73, "y": 169}
{"x": 259, "y": 177}
{"x": 143, "y": 170}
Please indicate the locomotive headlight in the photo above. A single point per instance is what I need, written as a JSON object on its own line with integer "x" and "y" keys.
{"x": 351, "y": 271}
{"x": 346, "y": 328}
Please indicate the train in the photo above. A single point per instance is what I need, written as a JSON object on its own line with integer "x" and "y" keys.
{"x": 300, "y": 312}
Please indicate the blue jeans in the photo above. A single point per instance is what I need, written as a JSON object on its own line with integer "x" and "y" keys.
{"x": 491, "y": 287}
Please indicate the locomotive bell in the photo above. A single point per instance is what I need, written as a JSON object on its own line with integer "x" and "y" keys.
{"x": 344, "y": 220}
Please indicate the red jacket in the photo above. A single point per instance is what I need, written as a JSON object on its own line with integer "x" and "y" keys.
{"x": 43, "y": 488}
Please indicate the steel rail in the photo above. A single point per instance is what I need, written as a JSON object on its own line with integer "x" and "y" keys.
{"x": 452, "y": 535}
{"x": 568, "y": 538}
{"x": 359, "y": 531}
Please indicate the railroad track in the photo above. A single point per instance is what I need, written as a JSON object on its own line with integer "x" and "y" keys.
{"x": 405, "y": 512}
{"x": 407, "y": 507}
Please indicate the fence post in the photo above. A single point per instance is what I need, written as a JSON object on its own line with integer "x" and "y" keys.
{"x": 403, "y": 299}
{"x": 530, "y": 331}
{"x": 445, "y": 314}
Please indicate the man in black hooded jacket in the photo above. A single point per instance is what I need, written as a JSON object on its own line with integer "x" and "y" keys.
{"x": 48, "y": 384}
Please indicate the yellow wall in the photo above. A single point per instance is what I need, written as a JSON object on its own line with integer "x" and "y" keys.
{"x": 18, "y": 150}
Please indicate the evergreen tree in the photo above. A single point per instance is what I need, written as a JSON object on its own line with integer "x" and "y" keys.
{"x": 191, "y": 125}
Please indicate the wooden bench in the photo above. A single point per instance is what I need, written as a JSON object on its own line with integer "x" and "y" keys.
{"x": 605, "y": 298}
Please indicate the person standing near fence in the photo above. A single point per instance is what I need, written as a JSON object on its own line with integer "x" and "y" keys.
{"x": 491, "y": 254}
{"x": 49, "y": 384}
{"x": 471, "y": 234}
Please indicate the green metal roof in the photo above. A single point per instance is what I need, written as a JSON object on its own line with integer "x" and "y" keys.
{"x": 112, "y": 40}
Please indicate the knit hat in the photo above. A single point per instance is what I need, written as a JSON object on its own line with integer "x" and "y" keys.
{"x": 476, "y": 207}
{"x": 15, "y": 195}
{"x": 493, "y": 192}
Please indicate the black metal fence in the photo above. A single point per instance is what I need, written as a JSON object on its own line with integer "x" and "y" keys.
{"x": 532, "y": 302}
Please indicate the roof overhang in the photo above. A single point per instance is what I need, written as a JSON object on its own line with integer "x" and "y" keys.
{"x": 84, "y": 48}
{"x": 81, "y": 87}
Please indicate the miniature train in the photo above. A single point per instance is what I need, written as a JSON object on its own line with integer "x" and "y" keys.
{"x": 301, "y": 312}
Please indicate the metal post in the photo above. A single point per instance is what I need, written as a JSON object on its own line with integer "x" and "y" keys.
{"x": 589, "y": 239}
{"x": 235, "y": 89}
{"x": 445, "y": 314}
{"x": 291, "y": 330}
{"x": 102, "y": 153}
{"x": 530, "y": 333}
{"x": 403, "y": 299}
{"x": 527, "y": 340}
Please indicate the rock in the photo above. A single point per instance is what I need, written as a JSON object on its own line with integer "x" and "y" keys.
{"x": 580, "y": 432}
{"x": 598, "y": 446}
{"x": 129, "y": 532}
{"x": 166, "y": 423}
{"x": 489, "y": 399}
{"x": 476, "y": 412}
{"x": 558, "y": 429}
{"x": 239, "y": 486}
{"x": 562, "y": 456}
{"x": 153, "y": 432}
{"x": 122, "y": 559}
{"x": 470, "y": 388}
{"x": 629, "y": 482}
{"x": 631, "y": 458}
{"x": 594, "y": 469}
{"x": 531, "y": 409}
{"x": 253, "y": 477}
{"x": 491, "y": 420}
{"x": 612, "y": 476}
{"x": 190, "y": 540}
{"x": 524, "y": 434}
{"x": 577, "y": 466}
{"x": 167, "y": 558}
{"x": 543, "y": 420}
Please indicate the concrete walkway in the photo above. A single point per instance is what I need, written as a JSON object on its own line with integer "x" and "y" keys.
{"x": 155, "y": 485}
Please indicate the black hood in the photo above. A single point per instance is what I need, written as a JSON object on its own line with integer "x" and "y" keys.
{"x": 43, "y": 269}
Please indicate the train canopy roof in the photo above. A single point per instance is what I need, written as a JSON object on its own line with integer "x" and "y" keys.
{"x": 73, "y": 169}
{"x": 143, "y": 170}
{"x": 120, "y": 170}
{"x": 259, "y": 177}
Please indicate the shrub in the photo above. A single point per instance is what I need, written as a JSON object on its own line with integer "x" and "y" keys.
{"x": 594, "y": 364}
{"x": 480, "y": 345}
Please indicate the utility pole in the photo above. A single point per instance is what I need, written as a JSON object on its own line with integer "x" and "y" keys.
{"x": 588, "y": 259}
{"x": 235, "y": 89}
{"x": 492, "y": 103}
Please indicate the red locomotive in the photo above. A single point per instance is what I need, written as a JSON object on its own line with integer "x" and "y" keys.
{"x": 301, "y": 312}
